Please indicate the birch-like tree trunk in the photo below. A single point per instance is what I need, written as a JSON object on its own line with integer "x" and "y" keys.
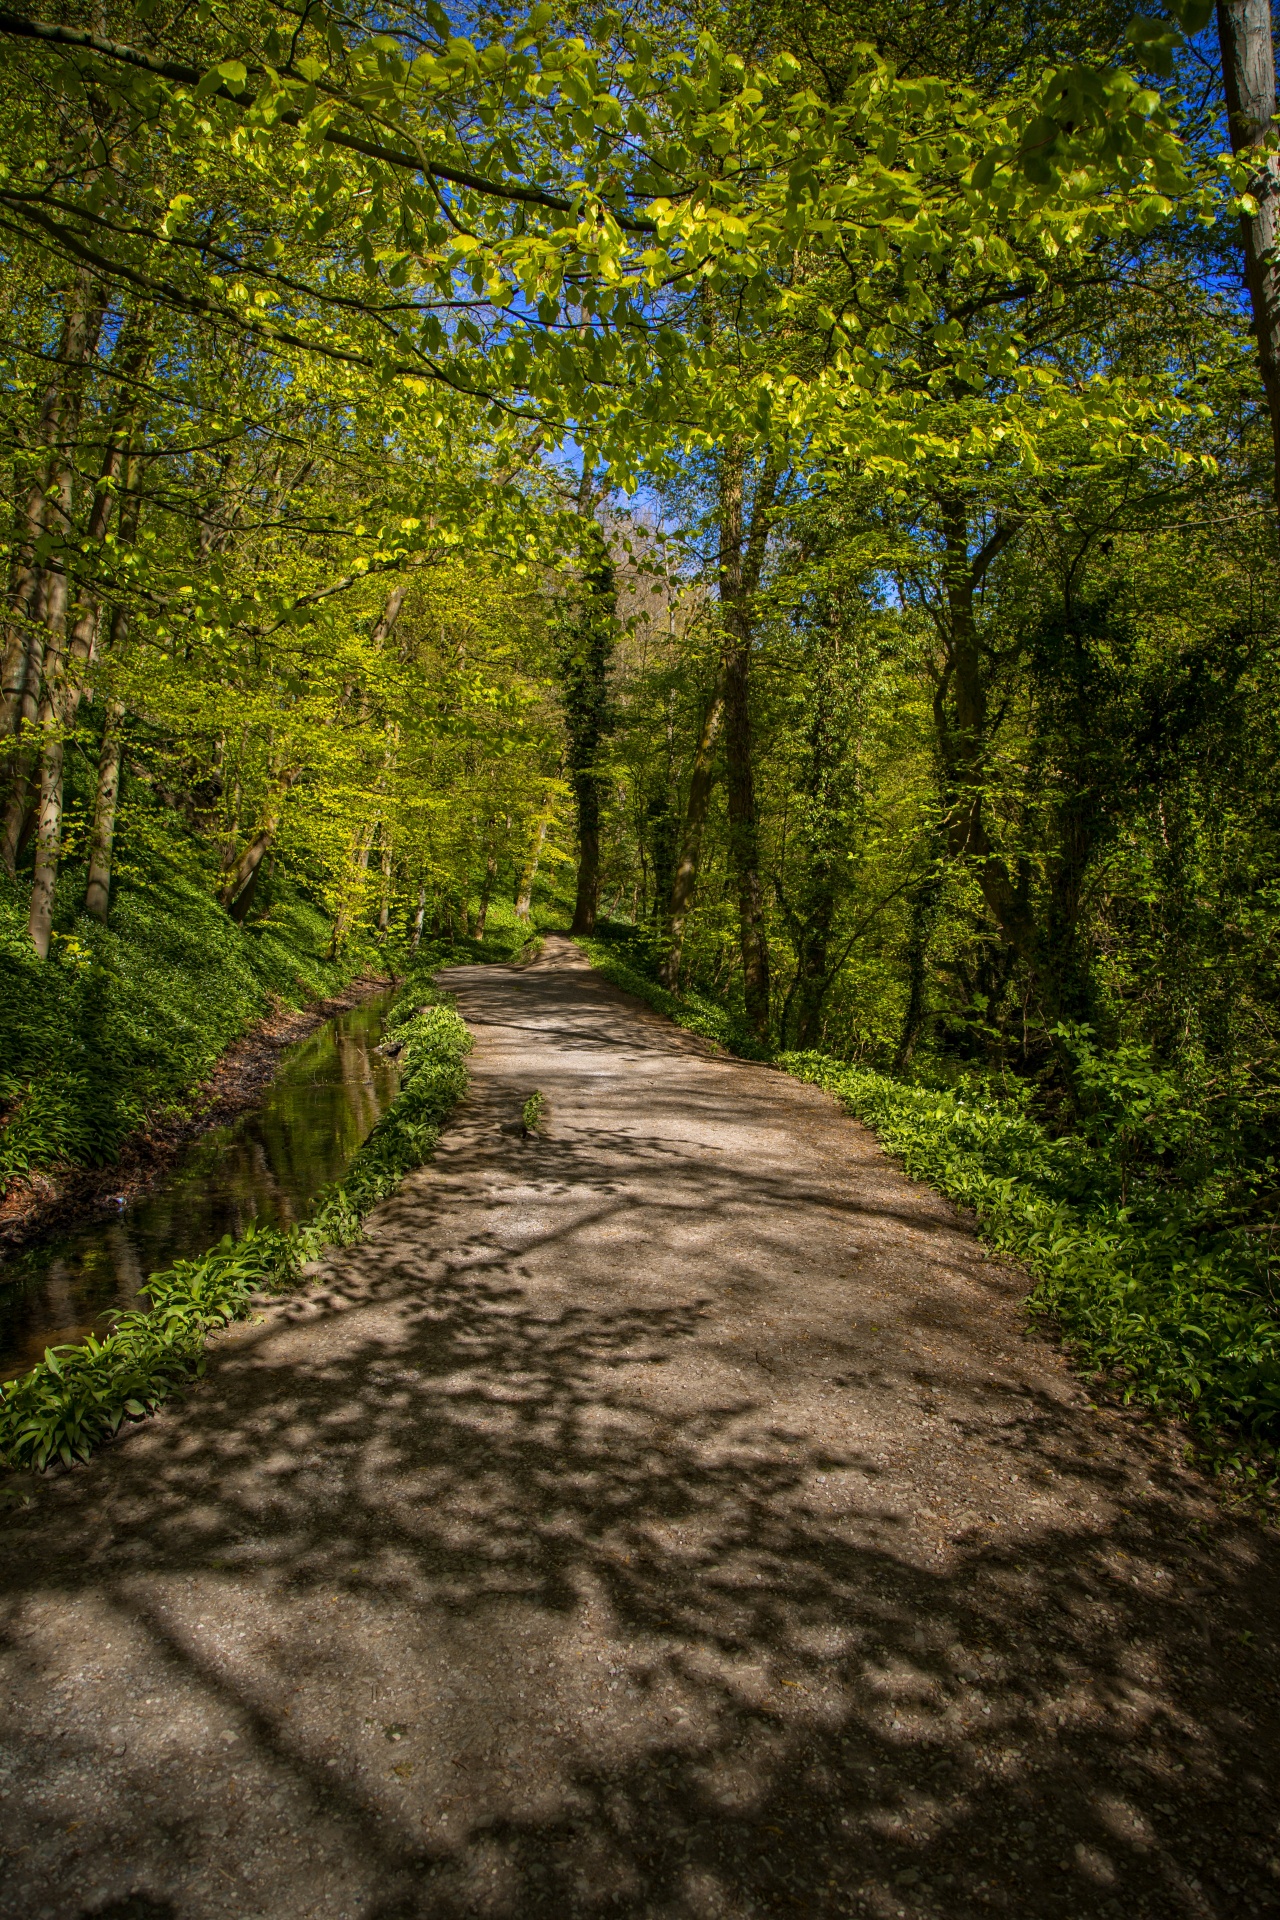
{"x": 64, "y": 673}
{"x": 529, "y": 872}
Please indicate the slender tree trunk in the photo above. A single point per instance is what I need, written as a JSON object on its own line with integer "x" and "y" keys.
{"x": 924, "y": 914}
{"x": 238, "y": 887}
{"x": 64, "y": 678}
{"x": 963, "y": 734}
{"x": 490, "y": 875}
{"x": 586, "y": 653}
{"x": 97, "y": 893}
{"x": 390, "y": 613}
{"x": 586, "y": 793}
{"x": 346, "y": 910}
{"x": 1249, "y": 81}
{"x": 19, "y": 671}
{"x": 384, "y": 908}
{"x": 44, "y": 602}
{"x": 741, "y": 559}
{"x": 102, "y": 838}
{"x": 524, "y": 892}
{"x": 420, "y": 915}
{"x": 697, "y": 806}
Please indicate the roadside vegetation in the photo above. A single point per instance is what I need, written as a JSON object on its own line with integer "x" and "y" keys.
{"x": 1154, "y": 1294}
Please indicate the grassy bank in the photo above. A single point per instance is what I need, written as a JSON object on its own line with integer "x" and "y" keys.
{"x": 79, "y": 1396}
{"x": 122, "y": 1021}
{"x": 1176, "y": 1313}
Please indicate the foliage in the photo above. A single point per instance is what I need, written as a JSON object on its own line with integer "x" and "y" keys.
{"x": 623, "y": 963}
{"x": 940, "y": 731}
{"x": 80, "y": 1395}
{"x": 532, "y": 1110}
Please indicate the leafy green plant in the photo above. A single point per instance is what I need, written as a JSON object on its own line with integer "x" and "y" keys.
{"x": 531, "y": 1112}
{"x": 696, "y": 1012}
{"x": 80, "y": 1395}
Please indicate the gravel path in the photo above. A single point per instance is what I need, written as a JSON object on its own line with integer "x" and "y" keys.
{"x": 668, "y": 1515}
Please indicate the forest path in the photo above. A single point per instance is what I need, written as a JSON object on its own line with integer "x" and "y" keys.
{"x": 669, "y": 1515}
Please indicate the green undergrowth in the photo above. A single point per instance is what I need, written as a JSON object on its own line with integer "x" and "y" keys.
{"x": 117, "y": 1027}
{"x": 1177, "y": 1312}
{"x": 80, "y": 1395}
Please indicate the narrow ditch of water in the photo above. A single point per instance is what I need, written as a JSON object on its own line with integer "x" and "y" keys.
{"x": 267, "y": 1165}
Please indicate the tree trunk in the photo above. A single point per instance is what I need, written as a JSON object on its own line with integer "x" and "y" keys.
{"x": 97, "y": 893}
{"x": 238, "y": 888}
{"x": 346, "y": 910}
{"x": 741, "y": 559}
{"x": 685, "y": 880}
{"x": 490, "y": 874}
{"x": 963, "y": 729}
{"x": 390, "y": 613}
{"x": 586, "y": 793}
{"x": 102, "y": 839}
{"x": 42, "y": 619}
{"x": 1249, "y": 81}
{"x": 524, "y": 892}
{"x": 19, "y": 668}
{"x": 384, "y": 908}
{"x": 586, "y": 650}
{"x": 64, "y": 678}
{"x": 420, "y": 915}
{"x": 925, "y": 902}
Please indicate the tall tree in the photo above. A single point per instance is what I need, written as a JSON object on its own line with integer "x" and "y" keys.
{"x": 744, "y": 505}
{"x": 587, "y": 636}
{"x": 1249, "y": 82}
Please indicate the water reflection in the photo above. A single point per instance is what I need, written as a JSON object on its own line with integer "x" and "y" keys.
{"x": 267, "y": 1165}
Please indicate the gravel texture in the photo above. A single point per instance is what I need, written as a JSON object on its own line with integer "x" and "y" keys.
{"x": 666, "y": 1514}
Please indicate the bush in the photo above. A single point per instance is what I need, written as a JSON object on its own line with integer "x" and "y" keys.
{"x": 1182, "y": 1318}
{"x": 624, "y": 963}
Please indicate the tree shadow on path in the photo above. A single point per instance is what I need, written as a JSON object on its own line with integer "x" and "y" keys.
{"x": 461, "y": 1595}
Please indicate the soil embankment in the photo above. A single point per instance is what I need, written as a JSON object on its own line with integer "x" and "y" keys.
{"x": 46, "y": 1199}
{"x": 669, "y": 1515}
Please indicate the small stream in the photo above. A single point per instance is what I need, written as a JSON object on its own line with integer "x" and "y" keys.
{"x": 267, "y": 1165}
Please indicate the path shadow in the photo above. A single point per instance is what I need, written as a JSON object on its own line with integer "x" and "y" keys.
{"x": 1032, "y": 1732}
{"x": 670, "y": 1656}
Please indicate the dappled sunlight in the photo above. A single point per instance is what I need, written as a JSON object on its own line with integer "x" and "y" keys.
{"x": 504, "y": 1574}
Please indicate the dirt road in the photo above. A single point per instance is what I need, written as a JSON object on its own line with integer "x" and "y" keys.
{"x": 668, "y": 1515}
